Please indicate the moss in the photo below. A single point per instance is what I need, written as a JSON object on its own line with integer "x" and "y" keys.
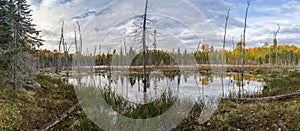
{"x": 29, "y": 110}
{"x": 282, "y": 85}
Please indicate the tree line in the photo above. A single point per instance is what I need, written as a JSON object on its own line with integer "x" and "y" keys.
{"x": 288, "y": 55}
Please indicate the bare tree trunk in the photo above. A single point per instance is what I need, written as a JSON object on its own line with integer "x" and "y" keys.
{"x": 125, "y": 50}
{"x": 13, "y": 58}
{"x": 80, "y": 38}
{"x": 66, "y": 54}
{"x": 244, "y": 42}
{"x": 269, "y": 51}
{"x": 234, "y": 61}
{"x": 144, "y": 47}
{"x": 76, "y": 46}
{"x": 224, "y": 43}
{"x": 59, "y": 48}
{"x": 78, "y": 51}
{"x": 276, "y": 45}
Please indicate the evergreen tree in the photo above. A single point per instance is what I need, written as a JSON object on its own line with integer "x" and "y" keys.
{"x": 5, "y": 30}
{"x": 19, "y": 39}
{"x": 26, "y": 33}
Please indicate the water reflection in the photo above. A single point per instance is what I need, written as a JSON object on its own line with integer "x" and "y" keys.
{"x": 186, "y": 85}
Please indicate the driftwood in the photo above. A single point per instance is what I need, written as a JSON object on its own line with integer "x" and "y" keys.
{"x": 51, "y": 124}
{"x": 269, "y": 98}
{"x": 281, "y": 124}
{"x": 58, "y": 92}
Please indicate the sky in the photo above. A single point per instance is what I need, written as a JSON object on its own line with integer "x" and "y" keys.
{"x": 185, "y": 24}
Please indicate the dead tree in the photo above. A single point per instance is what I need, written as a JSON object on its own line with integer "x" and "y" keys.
{"x": 78, "y": 51}
{"x": 234, "y": 62}
{"x": 80, "y": 38}
{"x": 223, "y": 52}
{"x": 66, "y": 54}
{"x": 276, "y": 45}
{"x": 59, "y": 49}
{"x": 75, "y": 42}
{"x": 144, "y": 47}
{"x": 244, "y": 42}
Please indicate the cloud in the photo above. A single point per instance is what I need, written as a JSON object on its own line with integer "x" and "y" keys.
{"x": 178, "y": 21}
{"x": 87, "y": 14}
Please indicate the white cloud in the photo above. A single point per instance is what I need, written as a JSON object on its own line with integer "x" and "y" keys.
{"x": 184, "y": 21}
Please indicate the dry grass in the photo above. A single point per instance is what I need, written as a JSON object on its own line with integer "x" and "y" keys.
{"x": 29, "y": 110}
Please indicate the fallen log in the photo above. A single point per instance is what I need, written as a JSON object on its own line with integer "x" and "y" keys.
{"x": 30, "y": 85}
{"x": 51, "y": 124}
{"x": 269, "y": 98}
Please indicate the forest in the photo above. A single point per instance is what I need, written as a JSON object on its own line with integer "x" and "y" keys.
{"x": 288, "y": 55}
{"x": 41, "y": 89}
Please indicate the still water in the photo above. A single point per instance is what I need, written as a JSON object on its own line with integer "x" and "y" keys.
{"x": 193, "y": 86}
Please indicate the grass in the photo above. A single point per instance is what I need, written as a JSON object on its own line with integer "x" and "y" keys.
{"x": 248, "y": 116}
{"x": 282, "y": 85}
{"x": 28, "y": 110}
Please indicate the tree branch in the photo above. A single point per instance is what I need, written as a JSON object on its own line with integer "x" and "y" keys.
{"x": 51, "y": 124}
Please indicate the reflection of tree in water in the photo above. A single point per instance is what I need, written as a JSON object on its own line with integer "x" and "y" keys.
{"x": 159, "y": 81}
{"x": 171, "y": 74}
{"x": 153, "y": 56}
{"x": 132, "y": 80}
{"x": 205, "y": 81}
{"x": 185, "y": 77}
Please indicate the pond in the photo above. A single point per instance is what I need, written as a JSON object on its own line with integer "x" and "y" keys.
{"x": 189, "y": 85}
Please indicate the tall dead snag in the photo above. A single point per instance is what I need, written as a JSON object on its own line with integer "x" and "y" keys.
{"x": 144, "y": 47}
{"x": 244, "y": 42}
{"x": 66, "y": 55}
{"x": 276, "y": 45}
{"x": 80, "y": 38}
{"x": 223, "y": 52}
{"x": 75, "y": 40}
{"x": 234, "y": 61}
{"x": 61, "y": 42}
{"x": 78, "y": 49}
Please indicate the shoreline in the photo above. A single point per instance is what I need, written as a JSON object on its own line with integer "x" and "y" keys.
{"x": 205, "y": 67}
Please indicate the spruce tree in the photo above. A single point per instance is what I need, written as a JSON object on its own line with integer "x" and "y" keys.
{"x": 27, "y": 35}
{"x": 19, "y": 39}
{"x": 5, "y": 31}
